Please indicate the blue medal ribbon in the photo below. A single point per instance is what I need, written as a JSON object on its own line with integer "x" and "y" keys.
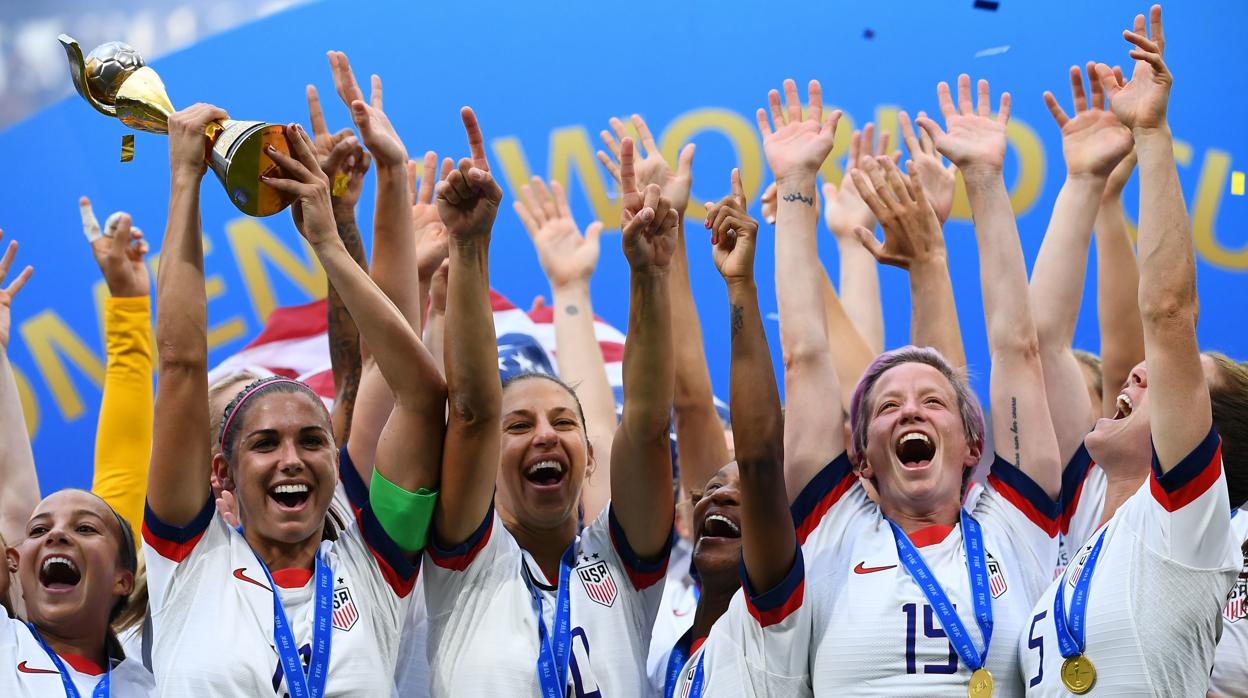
{"x": 977, "y": 569}
{"x": 1070, "y": 633}
{"x": 553, "y": 653}
{"x": 102, "y": 689}
{"x": 676, "y": 662}
{"x": 310, "y": 683}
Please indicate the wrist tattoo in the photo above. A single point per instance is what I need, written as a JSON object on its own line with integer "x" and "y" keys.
{"x": 571, "y": 310}
{"x": 737, "y": 320}
{"x": 1018, "y": 459}
{"x": 798, "y": 197}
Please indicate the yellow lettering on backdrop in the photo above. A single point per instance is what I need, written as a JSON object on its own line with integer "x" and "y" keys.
{"x": 1027, "y": 183}
{"x": 253, "y": 244}
{"x": 30, "y": 404}
{"x": 742, "y": 134}
{"x": 47, "y": 338}
{"x": 571, "y": 154}
{"x": 1205, "y": 213}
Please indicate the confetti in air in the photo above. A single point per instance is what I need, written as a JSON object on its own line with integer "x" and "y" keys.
{"x": 991, "y": 51}
{"x": 1237, "y": 183}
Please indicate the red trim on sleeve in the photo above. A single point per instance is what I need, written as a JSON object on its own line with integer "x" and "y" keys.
{"x": 771, "y": 616}
{"x": 459, "y": 557}
{"x": 1188, "y": 493}
{"x": 811, "y": 521}
{"x": 170, "y": 550}
{"x": 1046, "y": 523}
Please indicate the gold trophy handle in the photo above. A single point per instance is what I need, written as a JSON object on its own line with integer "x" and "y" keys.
{"x": 78, "y": 73}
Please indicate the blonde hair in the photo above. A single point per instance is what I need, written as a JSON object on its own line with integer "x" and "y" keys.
{"x": 1228, "y": 396}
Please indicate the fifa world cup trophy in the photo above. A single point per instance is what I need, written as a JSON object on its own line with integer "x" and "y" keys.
{"x": 114, "y": 80}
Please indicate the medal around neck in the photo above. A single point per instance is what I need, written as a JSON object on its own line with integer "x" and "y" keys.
{"x": 114, "y": 80}
{"x": 980, "y": 685}
{"x": 1078, "y": 674}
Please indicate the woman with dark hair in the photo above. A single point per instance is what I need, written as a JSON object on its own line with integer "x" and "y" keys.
{"x": 288, "y": 601}
{"x": 522, "y": 600}
{"x": 913, "y": 595}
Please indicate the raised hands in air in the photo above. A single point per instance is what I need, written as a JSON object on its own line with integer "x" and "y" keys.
{"x": 939, "y": 180}
{"x": 375, "y": 128}
{"x": 468, "y": 198}
{"x": 119, "y": 251}
{"x": 796, "y": 146}
{"x": 427, "y": 226}
{"x": 340, "y": 155}
{"x": 1094, "y": 141}
{"x": 912, "y": 231}
{"x": 734, "y": 234}
{"x": 567, "y": 256}
{"x": 311, "y": 210}
{"x": 844, "y": 210}
{"x": 973, "y": 138}
{"x": 652, "y": 167}
{"x": 7, "y": 293}
{"x": 648, "y": 221}
{"x": 1141, "y": 103}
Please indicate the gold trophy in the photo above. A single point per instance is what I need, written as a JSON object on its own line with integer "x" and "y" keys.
{"x": 114, "y": 80}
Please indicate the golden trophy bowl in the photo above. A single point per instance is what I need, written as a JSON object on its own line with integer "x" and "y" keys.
{"x": 114, "y": 80}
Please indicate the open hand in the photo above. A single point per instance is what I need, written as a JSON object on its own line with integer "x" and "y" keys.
{"x": 468, "y": 198}
{"x": 340, "y": 156}
{"x": 566, "y": 256}
{"x": 375, "y": 128}
{"x": 303, "y": 178}
{"x": 648, "y": 221}
{"x": 974, "y": 139}
{"x": 1141, "y": 103}
{"x": 1094, "y": 141}
{"x": 912, "y": 232}
{"x": 7, "y": 293}
{"x": 734, "y": 234}
{"x": 432, "y": 244}
{"x": 939, "y": 180}
{"x": 796, "y": 146}
{"x": 652, "y": 168}
{"x": 844, "y": 208}
{"x": 118, "y": 251}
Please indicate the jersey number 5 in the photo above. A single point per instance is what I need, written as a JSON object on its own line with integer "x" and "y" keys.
{"x": 930, "y": 630}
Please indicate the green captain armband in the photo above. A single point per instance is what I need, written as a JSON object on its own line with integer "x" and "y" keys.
{"x": 404, "y": 515}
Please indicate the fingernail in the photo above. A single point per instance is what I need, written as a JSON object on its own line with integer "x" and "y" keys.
{"x": 646, "y": 214}
{"x": 476, "y": 174}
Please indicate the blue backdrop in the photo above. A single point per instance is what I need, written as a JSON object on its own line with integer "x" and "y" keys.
{"x": 544, "y": 79}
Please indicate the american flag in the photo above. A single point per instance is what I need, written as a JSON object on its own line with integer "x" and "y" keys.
{"x": 345, "y": 613}
{"x": 599, "y": 584}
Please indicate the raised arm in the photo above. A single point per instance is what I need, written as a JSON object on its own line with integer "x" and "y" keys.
{"x": 569, "y": 259}
{"x": 394, "y": 252}
{"x": 700, "y": 447}
{"x": 435, "y": 323}
{"x": 123, "y": 435}
{"x": 795, "y": 148}
{"x": 345, "y": 162}
{"x": 1179, "y": 408}
{"x": 768, "y": 542}
{"x": 975, "y": 142}
{"x": 409, "y": 450}
{"x": 913, "y": 241}
{"x": 1093, "y": 142}
{"x": 177, "y": 482}
{"x": 843, "y": 211}
{"x": 641, "y": 468}
{"x": 19, "y": 483}
{"x": 1117, "y": 290}
{"x": 468, "y": 203}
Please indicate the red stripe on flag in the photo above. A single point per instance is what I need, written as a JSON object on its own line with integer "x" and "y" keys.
{"x": 294, "y": 322}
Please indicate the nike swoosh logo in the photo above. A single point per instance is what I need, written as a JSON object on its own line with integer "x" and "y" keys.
{"x": 27, "y": 670}
{"x": 238, "y": 574}
{"x": 868, "y": 570}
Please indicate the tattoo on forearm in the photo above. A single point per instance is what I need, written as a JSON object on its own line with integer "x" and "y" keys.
{"x": 349, "y": 232}
{"x": 571, "y": 310}
{"x": 737, "y": 320}
{"x": 1018, "y": 457}
{"x": 798, "y": 197}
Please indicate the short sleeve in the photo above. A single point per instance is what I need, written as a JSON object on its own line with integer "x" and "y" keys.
{"x": 1015, "y": 507}
{"x": 167, "y": 547}
{"x": 826, "y": 504}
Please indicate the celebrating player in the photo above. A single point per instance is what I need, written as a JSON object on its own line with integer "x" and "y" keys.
{"x": 1167, "y": 532}
{"x": 519, "y": 603}
{"x": 755, "y": 645}
{"x": 914, "y": 595}
{"x": 287, "y": 589}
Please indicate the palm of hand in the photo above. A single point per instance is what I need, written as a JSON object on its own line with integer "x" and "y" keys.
{"x": 1142, "y": 103}
{"x": 847, "y": 210}
{"x": 564, "y": 254}
{"x": 938, "y": 182}
{"x": 381, "y": 139}
{"x": 797, "y": 148}
{"x": 653, "y": 169}
{"x": 1094, "y": 142}
{"x": 431, "y": 238}
{"x": 972, "y": 140}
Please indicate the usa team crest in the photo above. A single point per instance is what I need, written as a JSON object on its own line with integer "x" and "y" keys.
{"x": 1237, "y": 601}
{"x": 345, "y": 613}
{"x": 599, "y": 584}
{"x": 996, "y": 578}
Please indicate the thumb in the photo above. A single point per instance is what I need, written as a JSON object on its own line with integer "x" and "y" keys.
{"x": 359, "y": 115}
{"x": 869, "y": 242}
{"x": 684, "y": 164}
{"x": 117, "y": 229}
{"x": 593, "y": 232}
{"x": 339, "y": 154}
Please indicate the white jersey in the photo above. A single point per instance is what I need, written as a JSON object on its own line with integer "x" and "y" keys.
{"x": 28, "y": 671}
{"x": 1083, "y": 504}
{"x": 758, "y": 648}
{"x": 1156, "y": 593}
{"x": 212, "y": 607}
{"x": 675, "y": 615}
{"x": 875, "y": 633}
{"x": 1230, "y": 662}
{"x": 483, "y": 636}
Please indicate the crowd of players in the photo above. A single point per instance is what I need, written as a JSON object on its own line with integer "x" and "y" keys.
{"x": 445, "y": 533}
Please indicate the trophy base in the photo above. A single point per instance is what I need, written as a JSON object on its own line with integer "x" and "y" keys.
{"x": 238, "y": 159}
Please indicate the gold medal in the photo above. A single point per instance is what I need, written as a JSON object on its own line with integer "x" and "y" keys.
{"x": 1078, "y": 674}
{"x": 980, "y": 685}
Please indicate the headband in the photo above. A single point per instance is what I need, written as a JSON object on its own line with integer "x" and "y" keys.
{"x": 238, "y": 404}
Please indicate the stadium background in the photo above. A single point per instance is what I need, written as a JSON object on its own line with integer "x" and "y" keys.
{"x": 544, "y": 78}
